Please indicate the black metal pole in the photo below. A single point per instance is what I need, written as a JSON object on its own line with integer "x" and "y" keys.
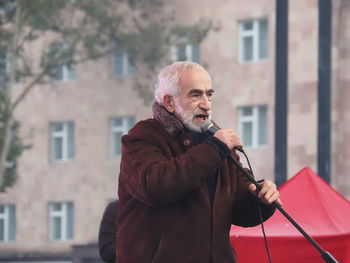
{"x": 324, "y": 89}
{"x": 281, "y": 92}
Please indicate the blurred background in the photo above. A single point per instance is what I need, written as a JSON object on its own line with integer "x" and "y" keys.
{"x": 75, "y": 75}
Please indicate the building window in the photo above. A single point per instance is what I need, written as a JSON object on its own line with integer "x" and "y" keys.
{"x": 4, "y": 67}
{"x": 183, "y": 50}
{"x": 7, "y": 6}
{"x": 121, "y": 64}
{"x": 62, "y": 141}
{"x": 252, "y": 40}
{"x": 118, "y": 127}
{"x": 252, "y": 125}
{"x": 61, "y": 221}
{"x": 65, "y": 71}
{"x": 7, "y": 223}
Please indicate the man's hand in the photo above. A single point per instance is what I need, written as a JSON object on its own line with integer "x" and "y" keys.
{"x": 229, "y": 137}
{"x": 268, "y": 193}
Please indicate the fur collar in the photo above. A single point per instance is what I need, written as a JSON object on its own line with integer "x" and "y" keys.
{"x": 168, "y": 120}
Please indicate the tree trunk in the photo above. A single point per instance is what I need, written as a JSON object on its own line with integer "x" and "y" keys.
{"x": 8, "y": 116}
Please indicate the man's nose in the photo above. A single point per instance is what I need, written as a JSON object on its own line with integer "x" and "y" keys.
{"x": 205, "y": 103}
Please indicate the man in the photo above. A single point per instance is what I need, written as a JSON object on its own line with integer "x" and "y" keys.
{"x": 178, "y": 194}
{"x": 107, "y": 233}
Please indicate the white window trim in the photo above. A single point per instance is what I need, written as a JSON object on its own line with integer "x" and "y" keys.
{"x": 124, "y": 128}
{"x": 66, "y": 76}
{"x": 5, "y": 216}
{"x": 125, "y": 62}
{"x": 64, "y": 135}
{"x": 188, "y": 49}
{"x": 59, "y": 214}
{"x": 126, "y": 66}
{"x": 173, "y": 52}
{"x": 254, "y": 33}
{"x": 7, "y": 62}
{"x": 254, "y": 119}
{"x": 7, "y": 66}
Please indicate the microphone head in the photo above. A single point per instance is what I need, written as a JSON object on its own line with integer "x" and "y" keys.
{"x": 208, "y": 127}
{"x": 205, "y": 125}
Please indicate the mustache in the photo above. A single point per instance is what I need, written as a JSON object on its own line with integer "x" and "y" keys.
{"x": 200, "y": 112}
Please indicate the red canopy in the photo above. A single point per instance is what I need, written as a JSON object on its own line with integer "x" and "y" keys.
{"x": 322, "y": 212}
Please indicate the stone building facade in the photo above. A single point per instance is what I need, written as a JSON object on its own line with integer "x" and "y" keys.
{"x": 70, "y": 173}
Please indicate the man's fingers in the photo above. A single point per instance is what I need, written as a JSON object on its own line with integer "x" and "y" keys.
{"x": 268, "y": 188}
{"x": 272, "y": 198}
{"x": 252, "y": 189}
{"x": 268, "y": 193}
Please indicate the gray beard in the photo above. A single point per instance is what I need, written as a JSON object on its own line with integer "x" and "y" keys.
{"x": 187, "y": 120}
{"x": 189, "y": 125}
{"x": 186, "y": 117}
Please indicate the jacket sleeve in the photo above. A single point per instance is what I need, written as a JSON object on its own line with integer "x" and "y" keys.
{"x": 107, "y": 233}
{"x": 157, "y": 179}
{"x": 246, "y": 205}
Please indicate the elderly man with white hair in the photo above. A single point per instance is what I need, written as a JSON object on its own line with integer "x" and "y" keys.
{"x": 178, "y": 194}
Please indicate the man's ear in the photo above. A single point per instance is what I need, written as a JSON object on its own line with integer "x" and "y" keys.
{"x": 168, "y": 103}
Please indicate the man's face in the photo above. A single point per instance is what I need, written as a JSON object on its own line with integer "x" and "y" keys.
{"x": 193, "y": 105}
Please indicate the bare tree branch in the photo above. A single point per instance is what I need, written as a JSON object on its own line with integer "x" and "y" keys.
{"x": 8, "y": 120}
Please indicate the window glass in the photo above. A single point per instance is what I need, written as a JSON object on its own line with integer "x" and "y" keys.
{"x": 70, "y": 220}
{"x": 58, "y": 146}
{"x": 252, "y": 123}
{"x": 253, "y": 40}
{"x": 263, "y": 39}
{"x": 2, "y": 229}
{"x": 70, "y": 139}
{"x": 62, "y": 141}
{"x": 262, "y": 119}
{"x": 61, "y": 221}
{"x": 247, "y": 111}
{"x": 58, "y": 127}
{"x": 248, "y": 25}
{"x": 248, "y": 133}
{"x": 119, "y": 127}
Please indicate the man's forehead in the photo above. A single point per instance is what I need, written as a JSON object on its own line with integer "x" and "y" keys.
{"x": 194, "y": 76}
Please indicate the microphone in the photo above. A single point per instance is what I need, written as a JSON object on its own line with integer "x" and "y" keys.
{"x": 208, "y": 127}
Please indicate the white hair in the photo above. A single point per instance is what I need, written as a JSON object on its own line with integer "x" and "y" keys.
{"x": 168, "y": 79}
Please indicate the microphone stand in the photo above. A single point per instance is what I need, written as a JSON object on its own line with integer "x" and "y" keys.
{"x": 325, "y": 255}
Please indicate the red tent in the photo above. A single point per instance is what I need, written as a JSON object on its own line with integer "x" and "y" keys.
{"x": 322, "y": 212}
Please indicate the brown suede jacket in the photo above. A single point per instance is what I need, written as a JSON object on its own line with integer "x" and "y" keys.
{"x": 165, "y": 212}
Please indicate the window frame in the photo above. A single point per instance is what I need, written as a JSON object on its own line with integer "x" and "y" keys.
{"x": 254, "y": 119}
{"x": 63, "y": 215}
{"x": 190, "y": 48}
{"x": 68, "y": 73}
{"x": 126, "y": 68}
{"x": 64, "y": 134}
{"x": 255, "y": 34}
{"x": 127, "y": 122}
{"x": 8, "y": 223}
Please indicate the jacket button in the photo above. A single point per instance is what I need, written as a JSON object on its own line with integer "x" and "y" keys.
{"x": 187, "y": 142}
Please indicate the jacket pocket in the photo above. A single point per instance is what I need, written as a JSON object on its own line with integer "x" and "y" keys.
{"x": 160, "y": 250}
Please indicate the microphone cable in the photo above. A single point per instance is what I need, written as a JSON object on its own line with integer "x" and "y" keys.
{"x": 240, "y": 149}
{"x": 210, "y": 128}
